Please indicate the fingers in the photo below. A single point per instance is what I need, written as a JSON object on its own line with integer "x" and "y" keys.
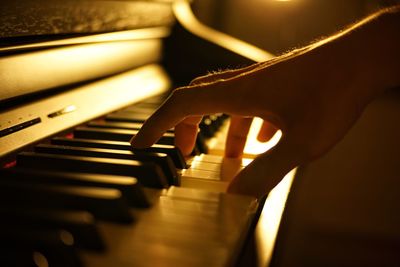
{"x": 205, "y": 98}
{"x": 191, "y": 100}
{"x": 266, "y": 132}
{"x": 186, "y": 133}
{"x": 266, "y": 171}
{"x": 237, "y": 136}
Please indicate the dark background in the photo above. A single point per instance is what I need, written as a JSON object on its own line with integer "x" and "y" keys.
{"x": 278, "y": 26}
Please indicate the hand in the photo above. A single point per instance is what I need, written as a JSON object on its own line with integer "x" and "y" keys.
{"x": 313, "y": 106}
{"x": 186, "y": 131}
{"x": 314, "y": 95}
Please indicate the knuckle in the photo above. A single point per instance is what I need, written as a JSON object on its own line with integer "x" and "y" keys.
{"x": 197, "y": 80}
{"x": 179, "y": 100}
{"x": 176, "y": 95}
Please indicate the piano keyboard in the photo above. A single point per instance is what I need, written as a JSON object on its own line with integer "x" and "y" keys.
{"x": 83, "y": 197}
{"x": 86, "y": 199}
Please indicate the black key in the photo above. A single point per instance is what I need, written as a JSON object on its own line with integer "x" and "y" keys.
{"x": 81, "y": 224}
{"x": 116, "y": 135}
{"x": 207, "y": 128}
{"x": 211, "y": 124}
{"x": 22, "y": 256}
{"x": 201, "y": 147}
{"x": 148, "y": 105}
{"x": 158, "y": 99}
{"x": 107, "y": 204}
{"x": 161, "y": 159}
{"x": 118, "y": 125}
{"x": 148, "y": 174}
{"x": 52, "y": 245}
{"x": 171, "y": 151}
{"x": 125, "y": 116}
{"x": 138, "y": 110}
{"x": 129, "y": 186}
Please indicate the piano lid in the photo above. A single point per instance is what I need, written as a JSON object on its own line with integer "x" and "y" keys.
{"x": 46, "y": 45}
{"x": 41, "y": 20}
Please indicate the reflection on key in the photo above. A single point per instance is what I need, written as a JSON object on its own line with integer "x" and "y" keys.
{"x": 107, "y": 204}
{"x": 160, "y": 159}
{"x": 171, "y": 151}
{"x": 116, "y": 125}
{"x": 211, "y": 172}
{"x": 148, "y": 174}
{"x": 42, "y": 247}
{"x": 130, "y": 188}
{"x": 81, "y": 224}
{"x": 127, "y": 117}
{"x": 116, "y": 134}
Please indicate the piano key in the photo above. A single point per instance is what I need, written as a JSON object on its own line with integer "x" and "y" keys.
{"x": 234, "y": 202}
{"x": 148, "y": 105}
{"x": 115, "y": 124}
{"x": 216, "y": 159}
{"x": 200, "y": 147}
{"x": 161, "y": 159}
{"x": 139, "y": 110}
{"x": 199, "y": 229}
{"x": 219, "y": 118}
{"x": 208, "y": 166}
{"x": 130, "y": 188}
{"x": 48, "y": 247}
{"x": 201, "y": 174}
{"x": 81, "y": 224}
{"x": 227, "y": 165}
{"x": 116, "y": 134}
{"x": 148, "y": 174}
{"x": 206, "y": 128}
{"x": 23, "y": 257}
{"x": 124, "y": 116}
{"x": 118, "y": 125}
{"x": 156, "y": 100}
{"x": 107, "y": 204}
{"x": 171, "y": 151}
{"x": 193, "y": 194}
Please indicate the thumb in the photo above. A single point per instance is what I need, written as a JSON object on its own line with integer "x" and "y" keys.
{"x": 266, "y": 171}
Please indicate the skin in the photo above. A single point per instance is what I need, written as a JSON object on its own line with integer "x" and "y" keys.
{"x": 314, "y": 95}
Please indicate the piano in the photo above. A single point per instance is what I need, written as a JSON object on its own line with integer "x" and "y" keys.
{"x": 77, "y": 80}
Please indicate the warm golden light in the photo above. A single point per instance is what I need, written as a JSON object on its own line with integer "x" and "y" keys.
{"x": 186, "y": 17}
{"x": 270, "y": 218}
{"x": 268, "y": 224}
{"x": 253, "y": 146}
{"x": 39, "y": 259}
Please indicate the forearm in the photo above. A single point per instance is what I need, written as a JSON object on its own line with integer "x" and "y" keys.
{"x": 383, "y": 48}
{"x": 369, "y": 51}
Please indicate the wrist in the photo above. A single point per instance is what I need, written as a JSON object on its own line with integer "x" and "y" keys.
{"x": 378, "y": 57}
{"x": 368, "y": 54}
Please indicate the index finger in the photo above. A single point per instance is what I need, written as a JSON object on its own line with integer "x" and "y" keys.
{"x": 192, "y": 100}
